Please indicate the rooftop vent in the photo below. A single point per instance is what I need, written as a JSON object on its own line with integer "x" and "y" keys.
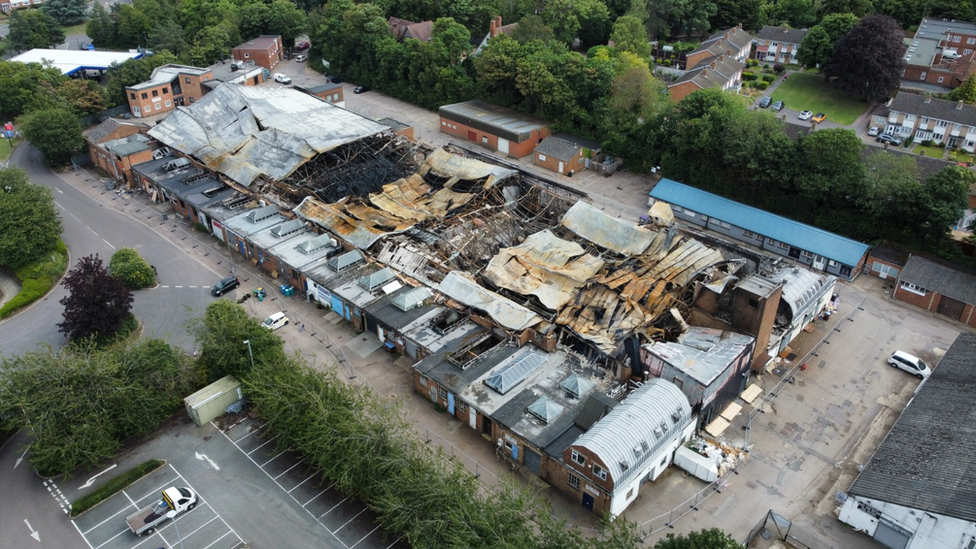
{"x": 346, "y": 260}
{"x": 412, "y": 299}
{"x": 315, "y": 244}
{"x": 512, "y": 374}
{"x": 176, "y": 164}
{"x": 261, "y": 214}
{"x": 374, "y": 281}
{"x": 288, "y": 227}
{"x": 576, "y": 386}
{"x": 546, "y": 410}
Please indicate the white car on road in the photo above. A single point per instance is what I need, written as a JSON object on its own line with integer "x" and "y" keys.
{"x": 282, "y": 78}
{"x": 806, "y": 115}
{"x": 275, "y": 321}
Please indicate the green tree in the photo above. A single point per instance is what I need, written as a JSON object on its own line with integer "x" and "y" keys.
{"x": 562, "y": 16}
{"x": 55, "y": 132}
{"x": 795, "y": 13}
{"x": 532, "y": 27}
{"x": 66, "y": 12}
{"x": 729, "y": 13}
{"x": 29, "y": 221}
{"x": 100, "y": 27}
{"x": 906, "y": 12}
{"x": 131, "y": 26}
{"x": 96, "y": 304}
{"x": 286, "y": 19}
{"x": 712, "y": 538}
{"x": 859, "y": 8}
{"x": 20, "y": 83}
{"x": 254, "y": 19}
{"x": 630, "y": 35}
{"x": 667, "y": 17}
{"x": 29, "y": 29}
{"x": 220, "y": 336}
{"x": 212, "y": 44}
{"x": 966, "y": 92}
{"x": 595, "y": 23}
{"x": 495, "y": 67}
{"x": 942, "y": 201}
{"x": 131, "y": 269}
{"x": 133, "y": 71}
{"x": 831, "y": 171}
{"x": 817, "y": 46}
{"x": 168, "y": 35}
{"x": 83, "y": 96}
{"x": 867, "y": 61}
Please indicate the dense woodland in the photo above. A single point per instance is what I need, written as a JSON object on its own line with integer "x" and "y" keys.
{"x": 556, "y": 66}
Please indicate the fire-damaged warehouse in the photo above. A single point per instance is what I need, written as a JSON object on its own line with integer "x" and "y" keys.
{"x": 535, "y": 318}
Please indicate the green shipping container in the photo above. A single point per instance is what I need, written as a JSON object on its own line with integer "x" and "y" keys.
{"x": 211, "y": 401}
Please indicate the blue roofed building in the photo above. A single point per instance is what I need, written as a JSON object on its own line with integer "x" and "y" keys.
{"x": 804, "y": 244}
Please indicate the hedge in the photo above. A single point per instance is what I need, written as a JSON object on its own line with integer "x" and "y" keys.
{"x": 114, "y": 486}
{"x": 37, "y": 279}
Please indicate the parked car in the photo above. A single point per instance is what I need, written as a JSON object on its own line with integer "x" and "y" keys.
{"x": 819, "y": 118}
{"x": 888, "y": 138}
{"x": 909, "y": 363}
{"x": 337, "y": 80}
{"x": 282, "y": 78}
{"x": 362, "y": 89}
{"x": 301, "y": 58}
{"x": 275, "y": 321}
{"x": 765, "y": 102}
{"x": 873, "y": 132}
{"x": 225, "y": 285}
{"x": 806, "y": 115}
{"x": 302, "y": 45}
{"x": 778, "y": 106}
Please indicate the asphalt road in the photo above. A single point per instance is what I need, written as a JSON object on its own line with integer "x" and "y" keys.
{"x": 90, "y": 228}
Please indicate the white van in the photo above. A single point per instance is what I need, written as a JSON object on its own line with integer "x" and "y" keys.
{"x": 909, "y": 363}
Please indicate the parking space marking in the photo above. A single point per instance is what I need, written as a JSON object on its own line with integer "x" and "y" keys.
{"x": 259, "y": 447}
{"x": 352, "y": 519}
{"x": 108, "y": 519}
{"x": 366, "y": 536}
{"x": 334, "y": 506}
{"x": 290, "y": 468}
{"x": 207, "y": 504}
{"x": 274, "y": 458}
{"x": 82, "y": 535}
{"x": 251, "y": 433}
{"x": 300, "y": 483}
{"x": 216, "y": 540}
{"x": 316, "y": 495}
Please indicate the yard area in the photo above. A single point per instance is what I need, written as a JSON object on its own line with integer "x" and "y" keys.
{"x": 962, "y": 157}
{"x": 808, "y": 91}
{"x": 931, "y": 152}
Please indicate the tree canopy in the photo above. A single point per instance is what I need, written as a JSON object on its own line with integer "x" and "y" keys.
{"x": 30, "y": 29}
{"x": 55, "y": 131}
{"x": 712, "y": 538}
{"x": 29, "y": 221}
{"x": 867, "y": 61}
{"x": 66, "y": 12}
{"x": 220, "y": 336}
{"x": 817, "y": 47}
{"x": 97, "y": 303}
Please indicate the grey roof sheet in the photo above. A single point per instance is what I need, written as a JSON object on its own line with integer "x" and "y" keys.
{"x": 928, "y": 459}
{"x": 246, "y": 131}
{"x": 702, "y": 353}
{"x": 596, "y": 406}
{"x": 892, "y": 253}
{"x": 801, "y": 286}
{"x": 939, "y": 278}
{"x": 501, "y": 121}
{"x": 246, "y": 223}
{"x": 167, "y": 73}
{"x": 621, "y": 236}
{"x": 460, "y": 287}
{"x": 633, "y": 424}
{"x": 276, "y": 234}
{"x": 387, "y": 311}
{"x": 564, "y": 146}
{"x": 781, "y": 34}
{"x": 939, "y": 109}
{"x": 713, "y": 72}
{"x": 101, "y": 132}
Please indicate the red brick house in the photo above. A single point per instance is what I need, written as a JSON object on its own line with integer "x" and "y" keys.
{"x": 942, "y": 53}
{"x": 778, "y": 44}
{"x": 168, "y": 87}
{"x": 566, "y": 154}
{"x": 734, "y": 42}
{"x": 115, "y": 146}
{"x": 938, "y": 288}
{"x": 722, "y": 71}
{"x": 266, "y": 51}
{"x": 496, "y": 128}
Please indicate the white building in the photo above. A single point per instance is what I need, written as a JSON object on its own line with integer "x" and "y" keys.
{"x": 918, "y": 491}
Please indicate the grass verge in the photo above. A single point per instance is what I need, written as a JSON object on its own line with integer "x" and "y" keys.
{"x": 75, "y": 29}
{"x": 931, "y": 152}
{"x": 808, "y": 91}
{"x": 7, "y": 146}
{"x": 37, "y": 279}
{"x": 114, "y": 486}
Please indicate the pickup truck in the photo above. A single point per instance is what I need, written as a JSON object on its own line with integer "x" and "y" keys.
{"x": 144, "y": 521}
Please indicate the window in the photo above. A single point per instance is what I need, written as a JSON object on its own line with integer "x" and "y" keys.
{"x": 599, "y": 472}
{"x": 806, "y": 254}
{"x": 145, "y": 96}
{"x": 461, "y": 406}
{"x": 783, "y": 245}
{"x": 957, "y": 38}
{"x": 914, "y": 288}
{"x": 158, "y": 106}
{"x": 192, "y": 100}
{"x": 247, "y": 56}
{"x": 690, "y": 213}
{"x": 155, "y": 93}
{"x": 909, "y": 118}
{"x": 941, "y": 124}
{"x": 923, "y": 75}
{"x": 971, "y": 41}
{"x": 132, "y": 95}
{"x": 579, "y": 160}
{"x": 578, "y": 458}
{"x": 169, "y": 103}
{"x": 725, "y": 225}
{"x": 423, "y": 381}
{"x": 165, "y": 90}
{"x": 924, "y": 120}
{"x": 676, "y": 208}
{"x": 484, "y": 139}
{"x": 831, "y": 263}
{"x": 941, "y": 79}
{"x": 542, "y": 158}
{"x": 754, "y": 304}
{"x": 630, "y": 493}
{"x": 748, "y": 234}
{"x": 664, "y": 461}
{"x": 186, "y": 79}
{"x": 574, "y": 481}
{"x": 135, "y": 111}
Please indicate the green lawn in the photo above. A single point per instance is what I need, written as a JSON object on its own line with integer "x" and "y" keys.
{"x": 808, "y": 91}
{"x": 961, "y": 156}
{"x": 933, "y": 152}
{"x": 75, "y": 29}
{"x": 5, "y": 148}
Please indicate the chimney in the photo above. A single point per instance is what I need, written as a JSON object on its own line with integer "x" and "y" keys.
{"x": 959, "y": 105}
{"x": 712, "y": 64}
{"x": 492, "y": 29}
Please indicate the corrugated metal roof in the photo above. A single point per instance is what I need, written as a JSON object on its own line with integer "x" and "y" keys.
{"x": 215, "y": 389}
{"x": 821, "y": 242}
{"x": 650, "y": 417}
{"x": 800, "y": 286}
{"x": 460, "y": 287}
{"x": 928, "y": 459}
{"x": 623, "y": 237}
{"x": 494, "y": 119}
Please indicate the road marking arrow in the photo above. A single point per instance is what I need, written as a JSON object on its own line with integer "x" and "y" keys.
{"x": 203, "y": 457}
{"x": 21, "y": 458}
{"x": 91, "y": 480}
{"x": 34, "y": 533}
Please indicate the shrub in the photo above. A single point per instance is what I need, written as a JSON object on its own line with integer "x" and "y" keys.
{"x": 114, "y": 486}
{"x": 37, "y": 279}
{"x": 762, "y": 85}
{"x": 749, "y": 76}
{"x": 779, "y": 68}
{"x": 131, "y": 269}
{"x": 768, "y": 78}
{"x": 666, "y": 63}
{"x": 928, "y": 143}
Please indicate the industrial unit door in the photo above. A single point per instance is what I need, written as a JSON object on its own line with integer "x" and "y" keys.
{"x": 533, "y": 461}
{"x": 890, "y": 535}
{"x": 337, "y": 305}
{"x": 410, "y": 348}
{"x": 951, "y": 308}
{"x": 503, "y": 145}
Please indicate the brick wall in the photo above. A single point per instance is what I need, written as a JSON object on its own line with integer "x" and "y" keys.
{"x": 490, "y": 141}
{"x": 682, "y": 90}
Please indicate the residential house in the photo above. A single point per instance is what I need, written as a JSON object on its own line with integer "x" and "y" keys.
{"x": 265, "y": 50}
{"x": 722, "y": 71}
{"x": 403, "y": 29}
{"x": 942, "y": 52}
{"x": 939, "y": 288}
{"x": 494, "y": 29}
{"x": 927, "y": 119}
{"x": 566, "y": 154}
{"x": 778, "y": 44}
{"x": 168, "y": 87}
{"x": 734, "y": 42}
{"x": 496, "y": 128}
{"x": 6, "y": 6}
{"x": 915, "y": 492}
{"x": 803, "y": 244}
{"x": 327, "y": 92}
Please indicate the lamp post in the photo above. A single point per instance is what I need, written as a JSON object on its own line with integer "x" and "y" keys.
{"x": 172, "y": 516}
{"x": 249, "y": 351}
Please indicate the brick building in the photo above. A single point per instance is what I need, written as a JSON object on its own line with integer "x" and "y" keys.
{"x": 266, "y": 51}
{"x": 327, "y": 92}
{"x": 778, "y": 44}
{"x": 938, "y": 288}
{"x": 722, "y": 71}
{"x": 168, "y": 87}
{"x": 496, "y": 128}
{"x": 117, "y": 145}
{"x": 566, "y": 154}
{"x": 942, "y": 53}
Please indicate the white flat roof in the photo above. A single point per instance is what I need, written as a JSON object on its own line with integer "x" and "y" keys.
{"x": 70, "y": 61}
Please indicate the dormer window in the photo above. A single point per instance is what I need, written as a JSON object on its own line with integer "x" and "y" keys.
{"x": 578, "y": 458}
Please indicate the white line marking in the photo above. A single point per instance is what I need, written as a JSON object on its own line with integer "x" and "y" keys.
{"x": 92, "y": 230}
{"x": 76, "y": 218}
{"x": 216, "y": 540}
{"x": 82, "y": 535}
{"x": 317, "y": 495}
{"x": 272, "y": 459}
{"x": 164, "y": 286}
{"x": 192, "y": 286}
{"x": 395, "y": 542}
{"x": 62, "y": 207}
{"x": 109, "y": 243}
{"x": 247, "y": 435}
{"x": 366, "y": 536}
{"x": 300, "y": 483}
{"x": 290, "y": 468}
{"x": 262, "y": 446}
{"x": 352, "y": 519}
{"x": 106, "y": 520}
{"x": 177, "y": 286}
{"x": 187, "y": 484}
{"x": 92, "y": 479}
{"x": 334, "y": 507}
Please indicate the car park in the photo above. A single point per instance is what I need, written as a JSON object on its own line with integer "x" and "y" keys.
{"x": 889, "y": 139}
{"x": 910, "y": 363}
{"x": 361, "y": 89}
{"x": 225, "y": 285}
{"x": 301, "y": 58}
{"x": 806, "y": 115}
{"x": 282, "y": 78}
{"x": 778, "y": 106}
{"x": 819, "y": 118}
{"x": 765, "y": 102}
{"x": 873, "y": 132}
{"x": 275, "y": 321}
